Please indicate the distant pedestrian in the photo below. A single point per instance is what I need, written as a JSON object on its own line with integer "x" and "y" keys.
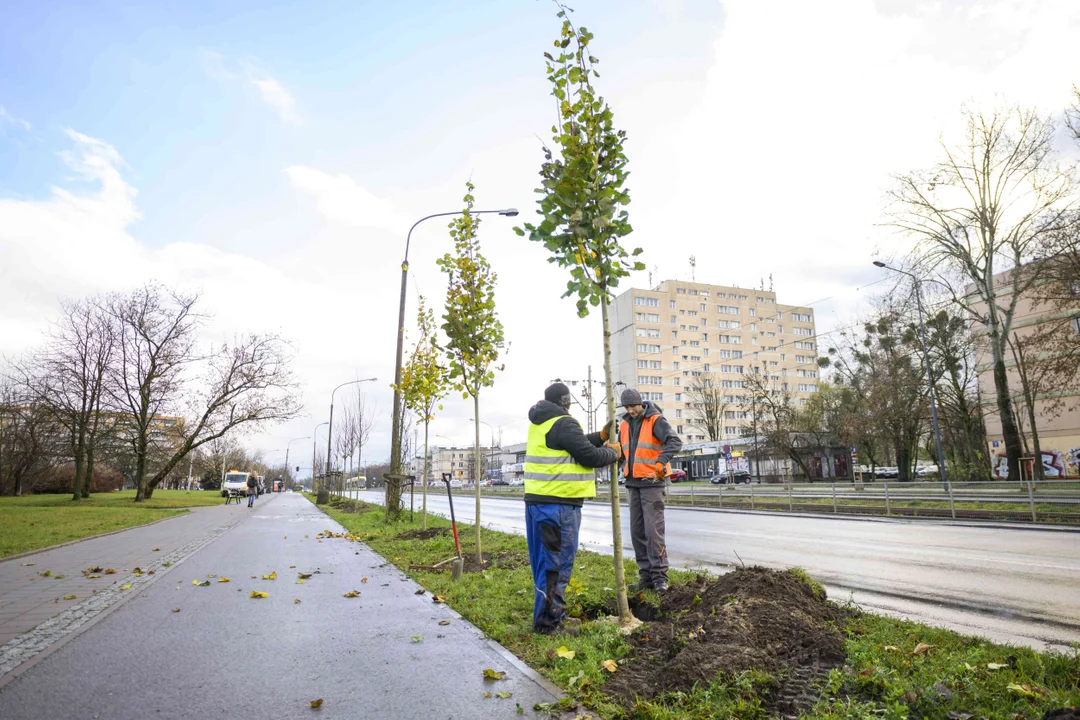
{"x": 648, "y": 444}
{"x": 252, "y": 489}
{"x": 559, "y": 462}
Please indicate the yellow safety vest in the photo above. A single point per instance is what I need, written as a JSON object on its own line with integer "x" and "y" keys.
{"x": 554, "y": 472}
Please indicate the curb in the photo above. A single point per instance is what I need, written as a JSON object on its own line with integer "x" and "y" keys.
{"x": 510, "y": 657}
{"x": 180, "y": 511}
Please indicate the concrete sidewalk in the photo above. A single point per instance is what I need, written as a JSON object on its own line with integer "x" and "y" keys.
{"x": 27, "y": 598}
{"x": 224, "y": 654}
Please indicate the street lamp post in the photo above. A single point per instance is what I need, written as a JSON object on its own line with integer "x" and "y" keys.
{"x": 287, "y": 446}
{"x": 395, "y": 430}
{"x": 314, "y": 443}
{"x": 492, "y": 445}
{"x": 929, "y": 376}
{"x": 330, "y": 430}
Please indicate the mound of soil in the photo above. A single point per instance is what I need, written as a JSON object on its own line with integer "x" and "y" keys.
{"x": 503, "y": 560}
{"x": 422, "y": 534}
{"x": 750, "y": 618}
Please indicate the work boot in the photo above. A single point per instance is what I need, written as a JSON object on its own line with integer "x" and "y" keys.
{"x": 661, "y": 587}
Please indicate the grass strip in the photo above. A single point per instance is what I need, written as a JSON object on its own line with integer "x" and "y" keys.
{"x": 884, "y": 675}
{"x": 38, "y": 521}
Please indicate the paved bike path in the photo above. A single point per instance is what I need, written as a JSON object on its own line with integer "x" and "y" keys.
{"x": 227, "y": 655}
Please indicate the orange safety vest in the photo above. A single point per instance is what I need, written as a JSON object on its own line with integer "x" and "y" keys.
{"x": 647, "y": 451}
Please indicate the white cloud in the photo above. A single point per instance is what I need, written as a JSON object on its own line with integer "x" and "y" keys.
{"x": 340, "y": 198}
{"x": 276, "y": 96}
{"x": 269, "y": 89}
{"x": 7, "y": 118}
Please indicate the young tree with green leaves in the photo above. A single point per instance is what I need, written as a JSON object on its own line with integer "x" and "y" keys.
{"x": 474, "y": 333}
{"x": 424, "y": 382}
{"x": 583, "y": 206}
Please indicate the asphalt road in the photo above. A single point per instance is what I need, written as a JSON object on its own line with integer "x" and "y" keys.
{"x": 225, "y": 655}
{"x": 1010, "y": 585}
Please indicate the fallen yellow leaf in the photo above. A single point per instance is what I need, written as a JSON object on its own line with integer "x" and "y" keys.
{"x": 176, "y": 609}
{"x": 487, "y": 694}
{"x": 204, "y": 583}
{"x": 223, "y": 579}
{"x": 316, "y": 703}
{"x": 922, "y": 649}
{"x": 892, "y": 647}
{"x": 969, "y": 667}
{"x": 494, "y": 674}
{"x": 995, "y": 666}
{"x": 363, "y": 579}
{"x": 444, "y": 622}
{"x": 563, "y": 652}
{"x": 438, "y": 599}
{"x": 352, "y": 593}
{"x": 304, "y": 576}
{"x": 126, "y": 587}
{"x": 28, "y": 564}
{"x": 157, "y": 549}
{"x": 296, "y": 601}
{"x": 271, "y": 576}
{"x": 503, "y": 694}
{"x": 69, "y": 597}
{"x": 258, "y": 594}
{"x": 110, "y": 571}
{"x": 610, "y": 665}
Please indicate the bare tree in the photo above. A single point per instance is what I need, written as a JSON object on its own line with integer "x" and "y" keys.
{"x": 243, "y": 383}
{"x": 988, "y": 206}
{"x": 66, "y": 379}
{"x": 706, "y": 404}
{"x": 25, "y": 434}
{"x": 364, "y": 412}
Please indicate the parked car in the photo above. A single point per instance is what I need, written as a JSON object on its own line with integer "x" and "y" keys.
{"x": 500, "y": 481}
{"x": 455, "y": 484}
{"x": 739, "y": 476}
{"x": 924, "y": 470}
{"x": 516, "y": 482}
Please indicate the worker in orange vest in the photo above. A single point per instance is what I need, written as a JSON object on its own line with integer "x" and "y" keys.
{"x": 648, "y": 444}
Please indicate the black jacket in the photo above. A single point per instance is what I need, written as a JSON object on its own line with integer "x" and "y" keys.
{"x": 663, "y": 432}
{"x": 566, "y": 434}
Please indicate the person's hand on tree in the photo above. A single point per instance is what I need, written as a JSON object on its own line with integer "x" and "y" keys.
{"x": 614, "y": 445}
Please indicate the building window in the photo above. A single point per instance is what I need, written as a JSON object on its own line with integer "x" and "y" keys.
{"x": 638, "y": 300}
{"x": 801, "y": 317}
{"x": 643, "y": 363}
{"x": 656, "y": 364}
{"x": 803, "y": 331}
{"x": 678, "y": 413}
{"x": 654, "y": 318}
{"x": 678, "y": 397}
{"x": 640, "y": 332}
{"x": 672, "y": 304}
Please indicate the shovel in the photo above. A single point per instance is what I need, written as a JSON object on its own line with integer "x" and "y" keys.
{"x": 458, "y": 566}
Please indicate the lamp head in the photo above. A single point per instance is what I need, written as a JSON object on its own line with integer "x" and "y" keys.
{"x": 509, "y": 212}
{"x": 880, "y": 264}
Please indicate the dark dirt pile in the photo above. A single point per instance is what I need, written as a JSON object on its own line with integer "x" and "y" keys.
{"x": 751, "y": 618}
{"x": 422, "y": 534}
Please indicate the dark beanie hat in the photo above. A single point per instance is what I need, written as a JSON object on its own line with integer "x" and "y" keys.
{"x": 630, "y": 397}
{"x": 556, "y": 392}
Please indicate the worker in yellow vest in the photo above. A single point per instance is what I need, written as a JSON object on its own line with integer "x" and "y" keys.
{"x": 648, "y": 444}
{"x": 559, "y": 462}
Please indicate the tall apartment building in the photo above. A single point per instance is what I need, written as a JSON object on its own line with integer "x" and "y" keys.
{"x": 1059, "y": 431}
{"x": 664, "y": 337}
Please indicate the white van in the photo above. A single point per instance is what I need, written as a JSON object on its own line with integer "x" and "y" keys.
{"x": 235, "y": 483}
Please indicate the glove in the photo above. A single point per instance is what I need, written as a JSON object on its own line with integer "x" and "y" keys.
{"x": 661, "y": 470}
{"x": 615, "y": 446}
{"x": 604, "y": 433}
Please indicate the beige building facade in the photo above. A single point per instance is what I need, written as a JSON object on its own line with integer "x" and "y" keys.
{"x": 1059, "y": 429}
{"x": 663, "y": 338}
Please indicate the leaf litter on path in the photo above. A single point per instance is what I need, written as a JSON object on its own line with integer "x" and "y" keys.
{"x": 256, "y": 594}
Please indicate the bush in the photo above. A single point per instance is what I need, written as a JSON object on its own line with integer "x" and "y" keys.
{"x": 60, "y": 480}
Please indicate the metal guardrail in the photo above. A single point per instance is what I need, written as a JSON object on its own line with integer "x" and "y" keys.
{"x": 1052, "y": 501}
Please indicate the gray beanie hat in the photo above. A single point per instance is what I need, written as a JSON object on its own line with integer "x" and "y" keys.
{"x": 630, "y": 397}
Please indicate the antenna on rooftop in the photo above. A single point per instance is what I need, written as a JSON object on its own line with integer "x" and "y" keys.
{"x": 693, "y": 266}
{"x": 770, "y": 283}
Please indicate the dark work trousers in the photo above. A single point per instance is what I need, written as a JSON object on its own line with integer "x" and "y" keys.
{"x": 552, "y": 532}
{"x": 647, "y": 533}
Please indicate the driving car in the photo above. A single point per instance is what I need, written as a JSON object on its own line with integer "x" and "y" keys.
{"x": 235, "y": 483}
{"x": 739, "y": 476}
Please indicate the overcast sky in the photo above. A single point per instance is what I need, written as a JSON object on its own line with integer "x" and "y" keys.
{"x": 273, "y": 155}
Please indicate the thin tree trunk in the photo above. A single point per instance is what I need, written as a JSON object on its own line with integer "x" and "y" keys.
{"x": 476, "y": 464}
{"x": 89, "y": 474}
{"x": 621, "y": 601}
{"x": 1029, "y": 403}
{"x": 140, "y": 473}
{"x": 76, "y": 489}
{"x": 1010, "y": 432}
{"x": 423, "y": 484}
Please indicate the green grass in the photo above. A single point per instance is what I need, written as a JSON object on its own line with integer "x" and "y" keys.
{"x": 499, "y": 601}
{"x": 38, "y": 521}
